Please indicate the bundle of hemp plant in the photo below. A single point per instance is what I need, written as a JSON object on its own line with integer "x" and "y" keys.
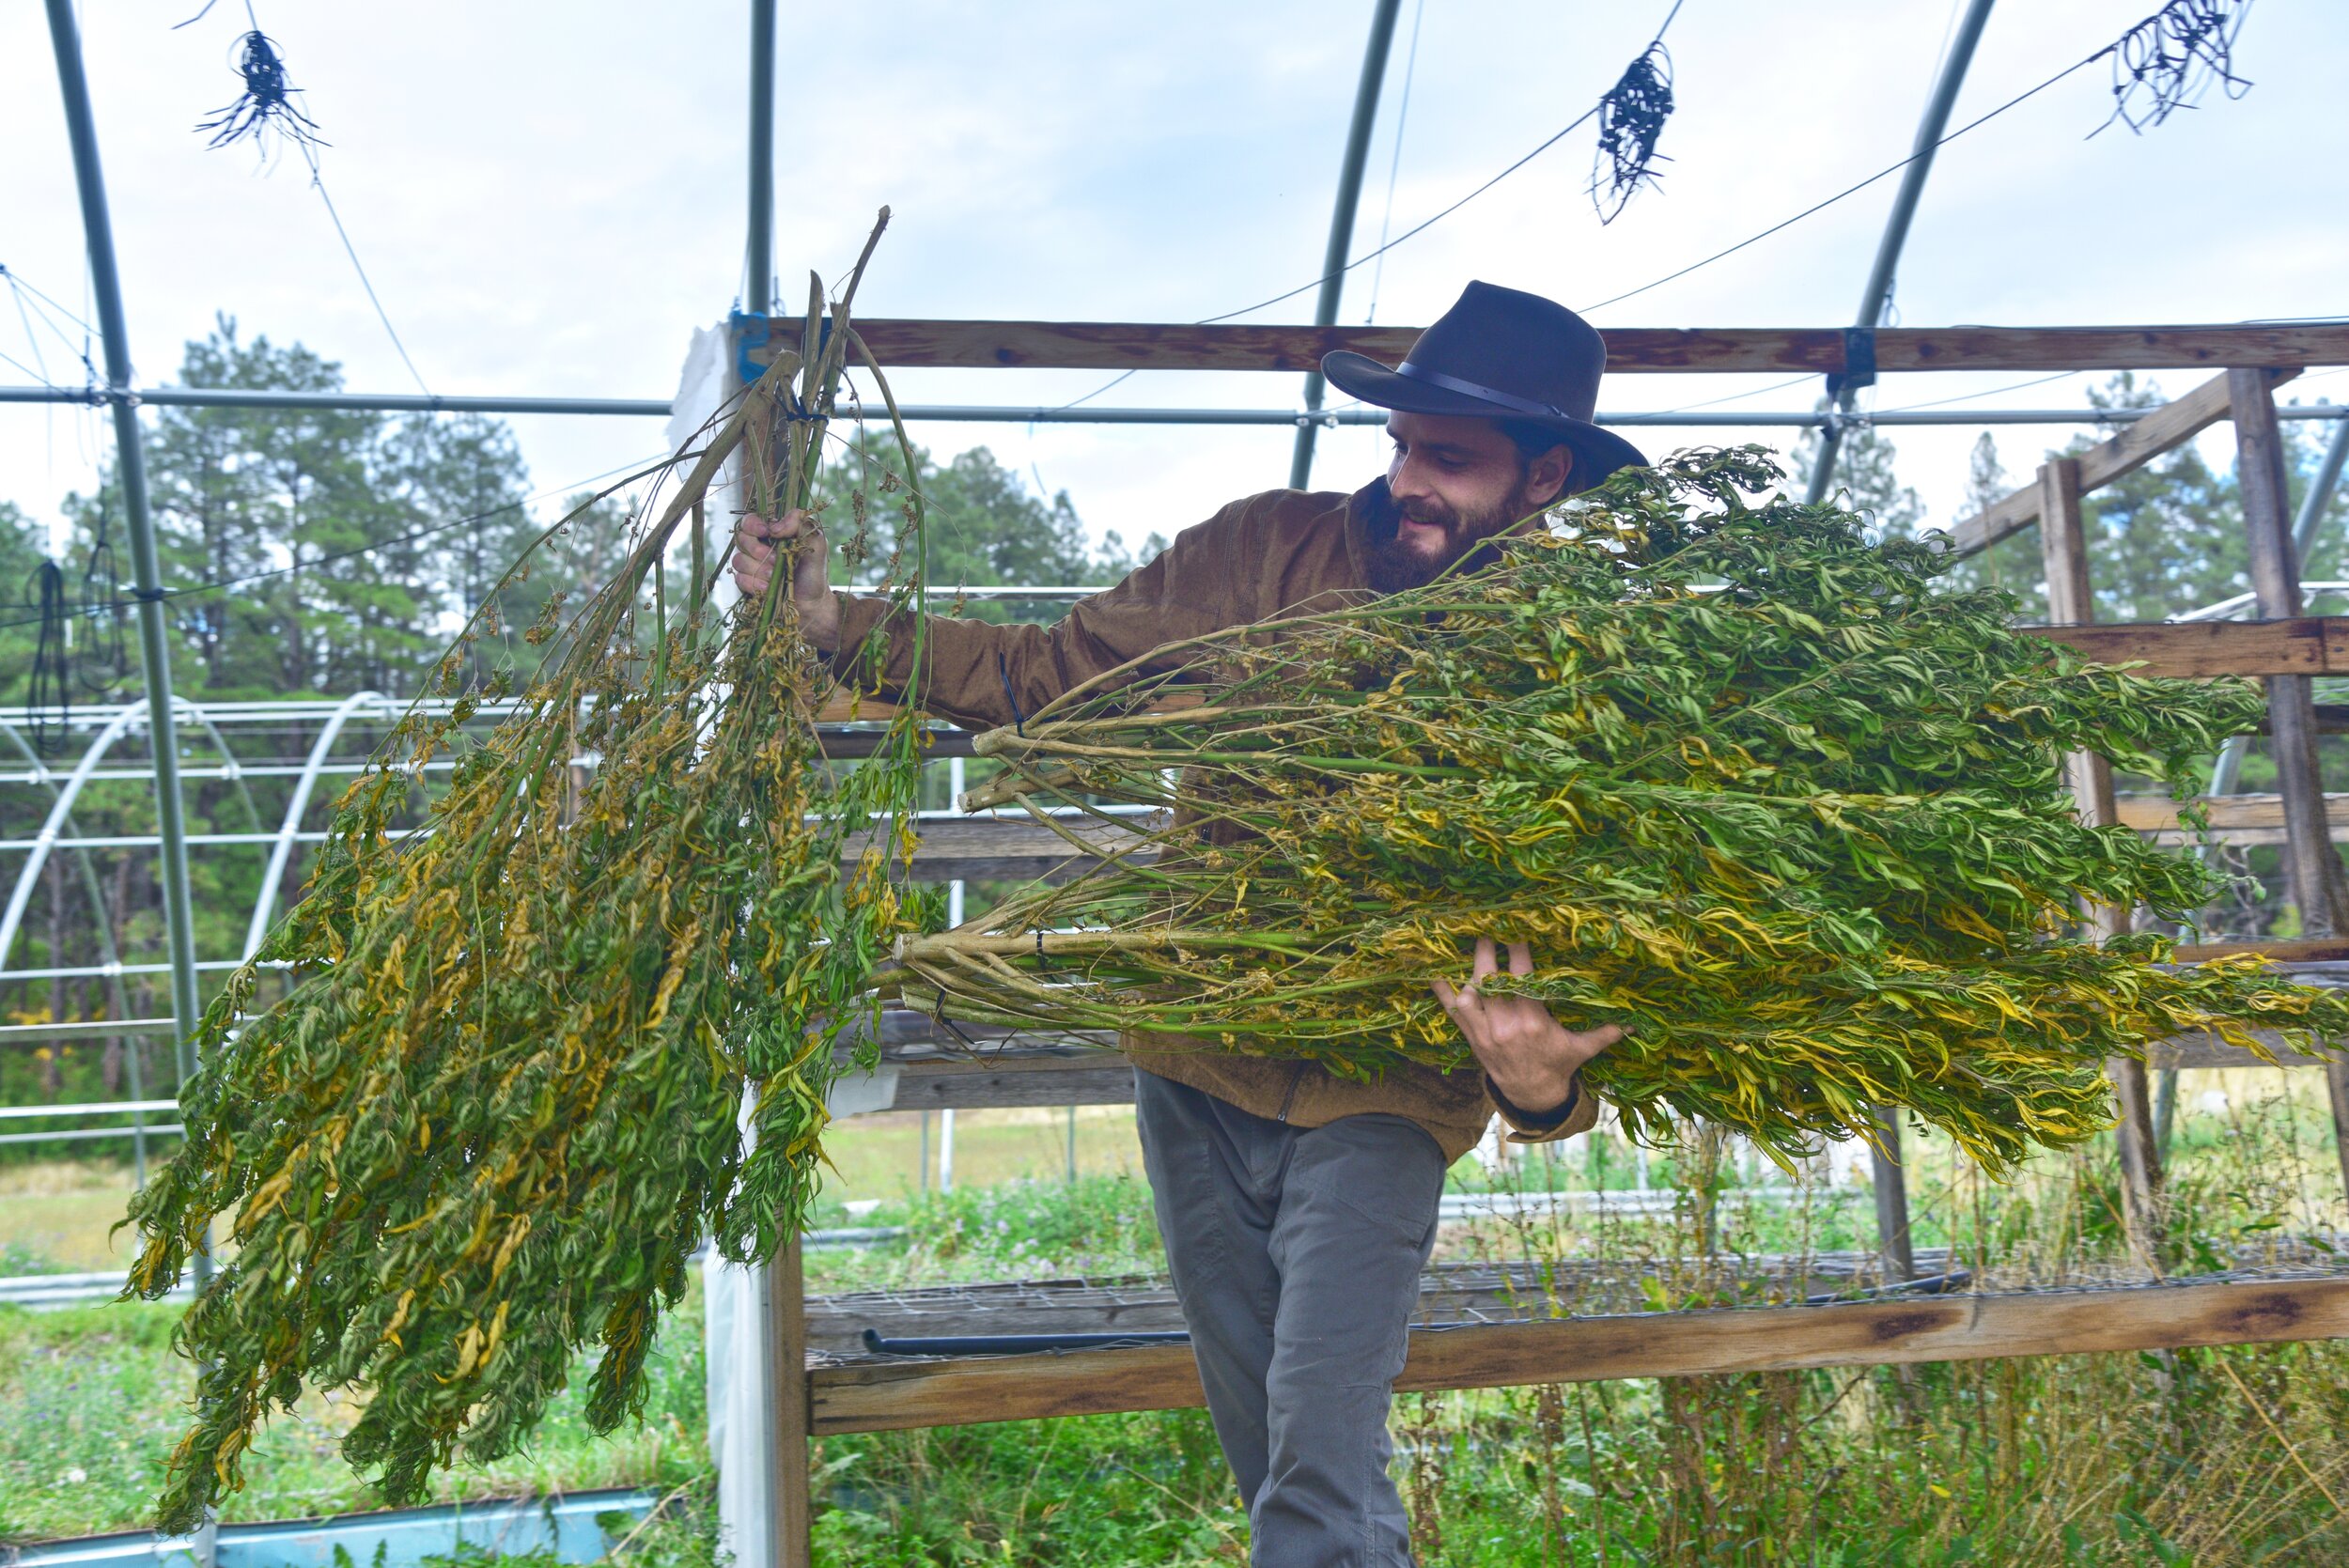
{"x": 1751, "y": 786}
{"x": 495, "y": 1111}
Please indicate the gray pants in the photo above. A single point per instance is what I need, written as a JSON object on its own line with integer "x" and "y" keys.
{"x": 1296, "y": 1254}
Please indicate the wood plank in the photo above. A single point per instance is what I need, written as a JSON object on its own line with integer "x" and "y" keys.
{"x": 984, "y": 847}
{"x": 2072, "y": 601}
{"x": 786, "y": 1386}
{"x": 1012, "y": 846}
{"x": 2153, "y": 813}
{"x": 2315, "y": 865}
{"x": 2291, "y": 950}
{"x": 979, "y": 1087}
{"x": 1631, "y": 350}
{"x": 872, "y": 1398}
{"x": 2202, "y": 1050}
{"x": 1450, "y": 1293}
{"x": 2186, "y": 650}
{"x": 2202, "y": 650}
{"x": 2139, "y": 442}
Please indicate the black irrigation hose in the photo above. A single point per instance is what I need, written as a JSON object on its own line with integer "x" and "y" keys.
{"x": 1011, "y": 1345}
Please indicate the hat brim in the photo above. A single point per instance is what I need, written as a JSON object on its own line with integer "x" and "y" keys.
{"x": 1598, "y": 452}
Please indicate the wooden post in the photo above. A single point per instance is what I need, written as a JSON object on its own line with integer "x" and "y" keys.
{"x": 1892, "y": 1182}
{"x": 789, "y": 1515}
{"x": 2063, "y": 547}
{"x": 2310, "y": 863}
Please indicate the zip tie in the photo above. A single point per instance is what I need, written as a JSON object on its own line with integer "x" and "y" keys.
{"x": 938, "y": 1014}
{"x": 1018, "y": 719}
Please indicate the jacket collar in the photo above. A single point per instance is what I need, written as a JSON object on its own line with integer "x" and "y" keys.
{"x": 1357, "y": 509}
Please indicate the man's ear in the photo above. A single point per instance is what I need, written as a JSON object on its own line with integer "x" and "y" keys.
{"x": 1546, "y": 476}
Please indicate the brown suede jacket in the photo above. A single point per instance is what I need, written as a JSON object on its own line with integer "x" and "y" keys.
{"x": 1256, "y": 559}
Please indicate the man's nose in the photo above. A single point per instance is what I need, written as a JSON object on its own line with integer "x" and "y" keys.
{"x": 1408, "y": 480}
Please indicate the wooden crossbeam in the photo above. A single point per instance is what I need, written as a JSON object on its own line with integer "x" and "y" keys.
{"x": 2155, "y": 813}
{"x": 2190, "y": 651}
{"x": 2140, "y": 442}
{"x": 970, "y": 848}
{"x": 885, "y": 1397}
{"x": 1630, "y": 350}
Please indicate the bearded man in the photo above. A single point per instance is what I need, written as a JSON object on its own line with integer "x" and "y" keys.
{"x": 1299, "y": 1207}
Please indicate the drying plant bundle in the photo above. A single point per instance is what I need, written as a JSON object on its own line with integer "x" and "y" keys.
{"x": 1746, "y": 783}
{"x": 496, "y": 1111}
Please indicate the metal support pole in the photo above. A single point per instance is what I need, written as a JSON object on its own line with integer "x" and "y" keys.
{"x": 759, "y": 254}
{"x": 1878, "y": 293}
{"x": 1342, "y": 219}
{"x": 147, "y": 569}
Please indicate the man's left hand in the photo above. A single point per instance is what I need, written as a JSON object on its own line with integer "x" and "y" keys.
{"x": 1531, "y": 1057}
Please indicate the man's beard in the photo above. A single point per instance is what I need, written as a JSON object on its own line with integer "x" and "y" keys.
{"x": 1393, "y": 566}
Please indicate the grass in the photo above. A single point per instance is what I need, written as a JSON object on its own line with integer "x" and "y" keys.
{"x": 55, "y": 1216}
{"x": 96, "y": 1400}
{"x": 2208, "y": 1457}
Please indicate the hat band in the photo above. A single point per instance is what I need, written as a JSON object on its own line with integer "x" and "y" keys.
{"x": 1485, "y": 393}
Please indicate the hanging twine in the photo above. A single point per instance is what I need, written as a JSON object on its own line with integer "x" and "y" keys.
{"x": 268, "y": 102}
{"x": 105, "y": 659}
{"x": 50, "y": 685}
{"x": 2168, "y": 61}
{"x": 1631, "y": 116}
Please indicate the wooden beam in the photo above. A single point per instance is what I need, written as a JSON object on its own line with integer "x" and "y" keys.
{"x": 2315, "y": 865}
{"x": 1020, "y": 849}
{"x": 2139, "y": 442}
{"x": 1089, "y": 1069}
{"x": 1630, "y": 350}
{"x": 2190, "y": 651}
{"x": 1450, "y": 1293}
{"x": 2157, "y": 814}
{"x": 871, "y": 1397}
{"x": 976, "y": 1086}
{"x": 786, "y": 1386}
{"x": 2202, "y": 650}
{"x": 2292, "y": 949}
{"x": 2201, "y": 1049}
{"x": 2072, "y": 601}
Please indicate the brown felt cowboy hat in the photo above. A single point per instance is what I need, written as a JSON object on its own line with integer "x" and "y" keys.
{"x": 1501, "y": 354}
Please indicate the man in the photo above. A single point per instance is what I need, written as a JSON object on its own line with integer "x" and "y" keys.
{"x": 1299, "y": 1207}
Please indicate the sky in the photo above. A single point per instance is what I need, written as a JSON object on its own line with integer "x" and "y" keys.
{"x": 550, "y": 199}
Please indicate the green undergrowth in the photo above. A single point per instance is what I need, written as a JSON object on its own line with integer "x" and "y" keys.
{"x": 93, "y": 1400}
{"x": 1096, "y": 1226}
{"x": 2204, "y": 1457}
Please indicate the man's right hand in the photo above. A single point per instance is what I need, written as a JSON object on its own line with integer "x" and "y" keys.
{"x": 755, "y": 550}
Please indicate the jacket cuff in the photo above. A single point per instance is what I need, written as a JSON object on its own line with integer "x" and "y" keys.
{"x": 859, "y": 616}
{"x": 1536, "y": 1121}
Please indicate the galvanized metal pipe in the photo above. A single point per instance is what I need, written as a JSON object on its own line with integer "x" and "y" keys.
{"x": 146, "y": 566}
{"x": 760, "y": 253}
{"x": 385, "y": 402}
{"x": 1342, "y": 219}
{"x": 1878, "y": 293}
